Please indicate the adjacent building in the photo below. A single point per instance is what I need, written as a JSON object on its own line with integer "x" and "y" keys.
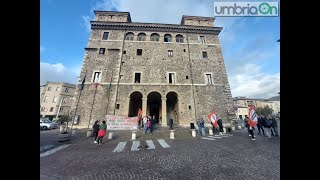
{"x": 167, "y": 70}
{"x": 56, "y": 97}
{"x": 242, "y": 105}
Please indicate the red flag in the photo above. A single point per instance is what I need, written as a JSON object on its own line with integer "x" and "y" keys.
{"x": 213, "y": 118}
{"x": 252, "y": 119}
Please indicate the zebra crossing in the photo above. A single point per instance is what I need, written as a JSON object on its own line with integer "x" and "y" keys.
{"x": 50, "y": 149}
{"x": 136, "y": 146}
{"x": 216, "y": 137}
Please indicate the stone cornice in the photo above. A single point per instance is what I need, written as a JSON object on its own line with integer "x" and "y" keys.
{"x": 154, "y": 27}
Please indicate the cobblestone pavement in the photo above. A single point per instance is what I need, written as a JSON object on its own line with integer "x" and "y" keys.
{"x": 234, "y": 157}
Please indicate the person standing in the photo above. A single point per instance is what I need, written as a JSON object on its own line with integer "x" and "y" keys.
{"x": 198, "y": 124}
{"x": 260, "y": 125}
{"x": 102, "y": 132}
{"x": 170, "y": 122}
{"x": 153, "y": 121}
{"x": 202, "y": 127}
{"x": 145, "y": 119}
{"x": 95, "y": 130}
{"x": 148, "y": 125}
{"x": 274, "y": 126}
{"x": 220, "y": 126}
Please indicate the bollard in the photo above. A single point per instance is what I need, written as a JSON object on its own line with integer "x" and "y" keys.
{"x": 171, "y": 134}
{"x": 110, "y": 135}
{"x": 224, "y": 130}
{"x": 134, "y": 135}
{"x": 89, "y": 133}
{"x": 239, "y": 127}
{"x": 210, "y": 132}
{"x": 233, "y": 128}
{"x": 194, "y": 134}
{"x": 62, "y": 128}
{"x": 74, "y": 132}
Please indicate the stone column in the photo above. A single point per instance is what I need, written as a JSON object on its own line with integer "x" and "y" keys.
{"x": 164, "y": 111}
{"x": 144, "y": 106}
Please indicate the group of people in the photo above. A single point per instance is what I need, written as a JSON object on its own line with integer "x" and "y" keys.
{"x": 148, "y": 123}
{"x": 201, "y": 131}
{"x": 99, "y": 131}
{"x": 266, "y": 124}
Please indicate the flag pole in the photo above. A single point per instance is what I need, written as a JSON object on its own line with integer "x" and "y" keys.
{"x": 81, "y": 88}
{"x": 94, "y": 97}
{"x": 109, "y": 92}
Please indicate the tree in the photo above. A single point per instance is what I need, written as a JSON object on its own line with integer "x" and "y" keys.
{"x": 66, "y": 118}
{"x": 265, "y": 111}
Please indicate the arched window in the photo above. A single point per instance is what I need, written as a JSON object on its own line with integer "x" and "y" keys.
{"x": 154, "y": 37}
{"x": 167, "y": 38}
{"x": 129, "y": 36}
{"x": 179, "y": 38}
{"x": 141, "y": 37}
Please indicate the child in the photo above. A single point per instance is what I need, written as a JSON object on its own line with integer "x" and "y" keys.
{"x": 102, "y": 132}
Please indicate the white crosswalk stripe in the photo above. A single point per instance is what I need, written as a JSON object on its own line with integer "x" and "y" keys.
{"x": 51, "y": 151}
{"x": 215, "y": 137}
{"x": 163, "y": 143}
{"x": 150, "y": 144}
{"x": 120, "y": 147}
{"x": 135, "y": 145}
{"x": 45, "y": 147}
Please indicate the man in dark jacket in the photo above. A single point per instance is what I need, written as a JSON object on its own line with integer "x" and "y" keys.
{"x": 170, "y": 122}
{"x": 274, "y": 126}
{"x": 95, "y": 130}
{"x": 220, "y": 125}
{"x": 259, "y": 125}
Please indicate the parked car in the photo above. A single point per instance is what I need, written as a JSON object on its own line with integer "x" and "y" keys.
{"x": 47, "y": 124}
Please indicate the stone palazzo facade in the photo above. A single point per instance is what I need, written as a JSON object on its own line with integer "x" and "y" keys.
{"x": 168, "y": 70}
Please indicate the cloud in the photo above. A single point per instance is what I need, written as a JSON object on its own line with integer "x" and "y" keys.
{"x": 58, "y": 72}
{"x": 253, "y": 83}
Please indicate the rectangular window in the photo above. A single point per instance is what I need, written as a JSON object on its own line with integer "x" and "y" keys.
{"x": 64, "y": 100}
{"x": 208, "y": 78}
{"x": 43, "y": 109}
{"x": 137, "y": 77}
{"x": 102, "y": 50}
{"x": 45, "y": 99}
{"x": 187, "y": 77}
{"x": 204, "y": 54}
{"x": 58, "y": 89}
{"x": 55, "y": 99}
{"x": 61, "y": 109}
{"x": 105, "y": 36}
{"x": 189, "y": 107}
{"x": 51, "y": 109}
{"x": 202, "y": 40}
{"x": 118, "y": 106}
{"x": 96, "y": 77}
{"x": 171, "y": 78}
{"x": 170, "y": 53}
{"x": 66, "y": 90}
{"x": 139, "y": 52}
{"x": 49, "y": 88}
{"x": 184, "y": 50}
{"x": 124, "y": 52}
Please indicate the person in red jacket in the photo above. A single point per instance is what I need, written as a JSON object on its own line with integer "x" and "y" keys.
{"x": 102, "y": 132}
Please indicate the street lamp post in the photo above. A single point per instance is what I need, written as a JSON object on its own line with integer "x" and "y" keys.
{"x": 59, "y": 108}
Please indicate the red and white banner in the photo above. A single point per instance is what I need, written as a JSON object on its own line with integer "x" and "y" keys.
{"x": 253, "y": 118}
{"x": 214, "y": 119}
{"x": 121, "y": 123}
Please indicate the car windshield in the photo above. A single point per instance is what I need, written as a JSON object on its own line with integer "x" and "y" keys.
{"x": 47, "y": 121}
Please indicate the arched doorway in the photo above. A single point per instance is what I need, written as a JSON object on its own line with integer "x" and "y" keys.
{"x": 154, "y": 105}
{"x": 172, "y": 107}
{"x": 135, "y": 103}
